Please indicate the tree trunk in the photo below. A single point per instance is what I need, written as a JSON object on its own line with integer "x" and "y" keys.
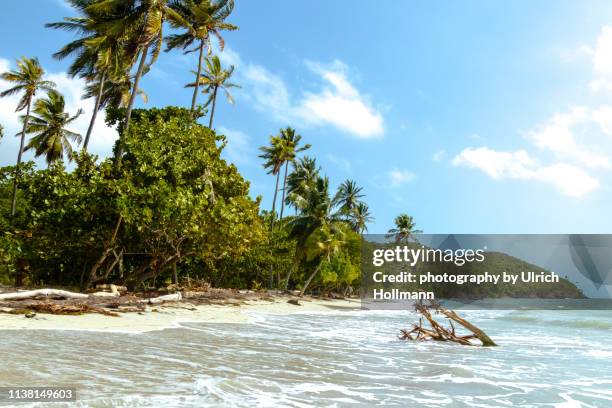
{"x": 55, "y": 293}
{"x": 212, "y": 111}
{"x": 197, "y": 82}
{"x": 128, "y": 114}
{"x": 19, "y": 155}
{"x": 175, "y": 297}
{"x": 274, "y": 200}
{"x": 482, "y": 336}
{"x": 272, "y": 224}
{"x": 95, "y": 112}
{"x": 294, "y": 265}
{"x": 284, "y": 189}
{"x": 311, "y": 277}
{"x": 174, "y": 274}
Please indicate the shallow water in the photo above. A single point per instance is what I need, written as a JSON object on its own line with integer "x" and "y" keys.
{"x": 332, "y": 359}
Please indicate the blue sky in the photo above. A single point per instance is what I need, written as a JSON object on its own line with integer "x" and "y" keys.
{"x": 472, "y": 116}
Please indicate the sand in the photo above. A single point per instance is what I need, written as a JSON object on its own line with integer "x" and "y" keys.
{"x": 170, "y": 315}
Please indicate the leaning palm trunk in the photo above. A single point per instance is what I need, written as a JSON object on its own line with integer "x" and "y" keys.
{"x": 95, "y": 112}
{"x": 19, "y": 155}
{"x": 284, "y": 189}
{"x": 311, "y": 277}
{"x": 212, "y": 111}
{"x": 197, "y": 81}
{"x": 294, "y": 265}
{"x": 272, "y": 223}
{"x": 274, "y": 201}
{"x": 128, "y": 114}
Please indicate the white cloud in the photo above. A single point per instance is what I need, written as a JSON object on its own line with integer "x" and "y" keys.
{"x": 336, "y": 102}
{"x": 567, "y": 134}
{"x": 102, "y": 138}
{"x": 340, "y": 104}
{"x": 238, "y": 149}
{"x": 399, "y": 177}
{"x": 519, "y": 165}
{"x": 602, "y": 61}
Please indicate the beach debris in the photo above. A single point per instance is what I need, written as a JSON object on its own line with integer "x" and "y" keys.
{"x": 114, "y": 291}
{"x": 48, "y": 293}
{"x": 69, "y": 309}
{"x": 294, "y": 302}
{"x": 30, "y": 315}
{"x": 175, "y": 297}
{"x": 437, "y": 332}
{"x": 113, "y": 288}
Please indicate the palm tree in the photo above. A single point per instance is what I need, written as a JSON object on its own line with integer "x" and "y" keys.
{"x": 315, "y": 214}
{"x": 290, "y": 141}
{"x": 323, "y": 243}
{"x": 28, "y": 78}
{"x": 205, "y": 18}
{"x": 99, "y": 56}
{"x": 273, "y": 161}
{"x": 359, "y": 218}
{"x": 348, "y": 196}
{"x": 138, "y": 24}
{"x": 213, "y": 79}
{"x": 404, "y": 229}
{"x": 301, "y": 180}
{"x": 48, "y": 125}
{"x": 115, "y": 91}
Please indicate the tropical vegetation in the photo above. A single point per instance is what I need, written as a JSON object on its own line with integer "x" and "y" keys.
{"x": 167, "y": 207}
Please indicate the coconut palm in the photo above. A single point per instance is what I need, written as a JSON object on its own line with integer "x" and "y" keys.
{"x": 301, "y": 180}
{"x": 213, "y": 79}
{"x": 99, "y": 55}
{"x": 115, "y": 92}
{"x": 48, "y": 125}
{"x": 348, "y": 196}
{"x": 206, "y": 18}
{"x": 273, "y": 162}
{"x": 359, "y": 217}
{"x": 315, "y": 214}
{"x": 290, "y": 146}
{"x": 27, "y": 80}
{"x": 138, "y": 24}
{"x": 324, "y": 242}
{"x": 404, "y": 230}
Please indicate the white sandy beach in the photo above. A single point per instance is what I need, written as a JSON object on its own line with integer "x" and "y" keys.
{"x": 169, "y": 315}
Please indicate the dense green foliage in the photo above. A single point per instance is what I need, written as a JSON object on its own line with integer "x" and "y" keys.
{"x": 173, "y": 200}
{"x": 172, "y": 203}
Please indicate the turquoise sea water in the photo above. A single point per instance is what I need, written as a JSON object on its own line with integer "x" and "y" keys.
{"x": 331, "y": 359}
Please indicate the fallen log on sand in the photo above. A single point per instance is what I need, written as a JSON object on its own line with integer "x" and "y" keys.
{"x": 175, "y": 297}
{"x": 48, "y": 293}
{"x": 76, "y": 309}
{"x": 437, "y": 332}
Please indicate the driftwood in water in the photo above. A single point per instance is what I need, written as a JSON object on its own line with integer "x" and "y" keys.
{"x": 48, "y": 293}
{"x": 439, "y": 333}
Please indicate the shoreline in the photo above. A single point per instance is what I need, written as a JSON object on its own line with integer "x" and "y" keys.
{"x": 171, "y": 315}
